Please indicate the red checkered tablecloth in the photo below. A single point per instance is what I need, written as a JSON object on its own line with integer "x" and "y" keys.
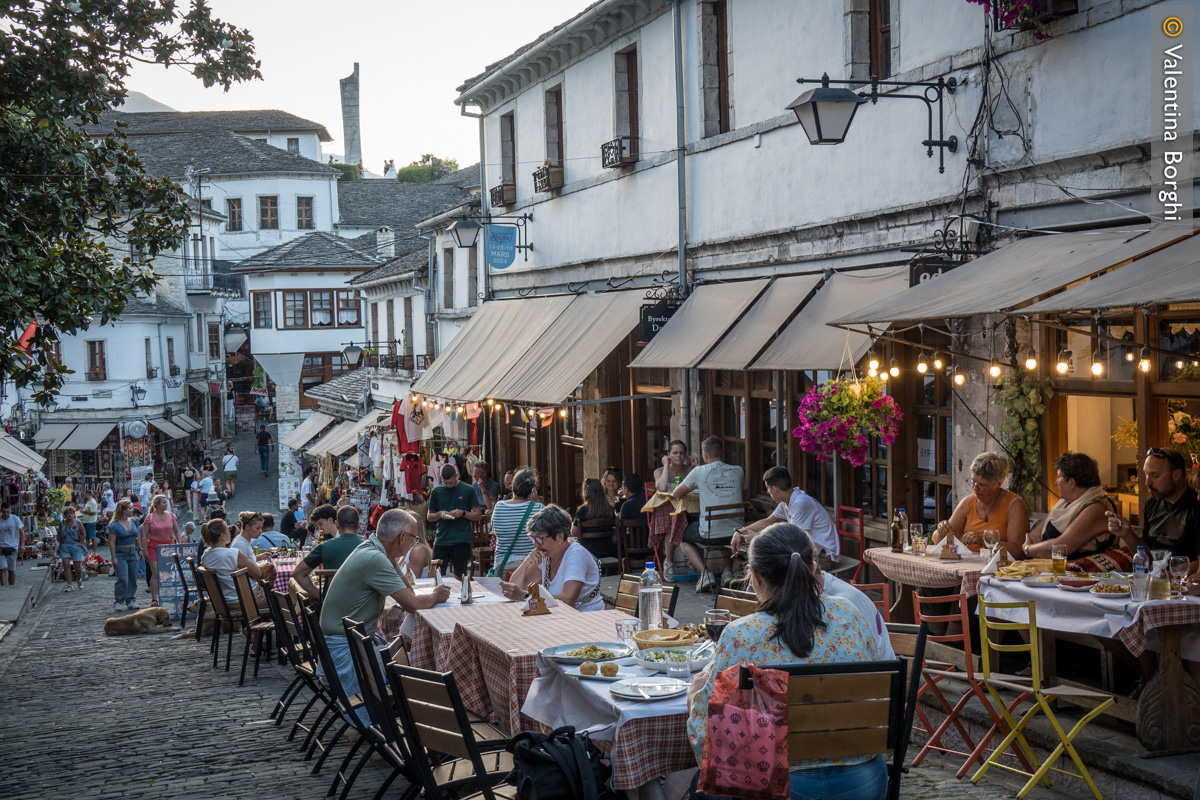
{"x": 929, "y": 571}
{"x": 1158, "y": 614}
{"x": 433, "y": 635}
{"x": 666, "y": 525}
{"x": 284, "y": 567}
{"x": 650, "y": 747}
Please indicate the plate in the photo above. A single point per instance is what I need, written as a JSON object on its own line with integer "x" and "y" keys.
{"x": 656, "y": 688}
{"x": 1036, "y": 581}
{"x": 695, "y": 664}
{"x": 558, "y": 653}
{"x": 1111, "y": 595}
{"x": 623, "y": 674}
{"x": 1076, "y": 584}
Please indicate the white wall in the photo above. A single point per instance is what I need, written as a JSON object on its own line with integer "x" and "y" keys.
{"x": 251, "y": 240}
{"x": 283, "y": 340}
{"x": 310, "y": 144}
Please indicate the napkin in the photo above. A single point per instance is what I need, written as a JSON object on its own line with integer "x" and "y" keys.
{"x": 935, "y": 549}
{"x": 994, "y": 562}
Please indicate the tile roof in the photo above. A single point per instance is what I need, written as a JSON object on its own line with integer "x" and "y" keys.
{"x": 413, "y": 261}
{"x": 346, "y": 388}
{"x": 159, "y": 306}
{"x": 170, "y": 154}
{"x": 316, "y": 249}
{"x": 466, "y": 177}
{"x": 397, "y": 205}
{"x": 256, "y": 121}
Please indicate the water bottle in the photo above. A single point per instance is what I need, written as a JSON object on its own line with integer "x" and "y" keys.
{"x": 650, "y": 599}
{"x": 907, "y": 543}
{"x": 1141, "y": 575}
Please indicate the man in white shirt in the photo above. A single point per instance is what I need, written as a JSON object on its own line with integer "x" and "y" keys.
{"x": 308, "y": 493}
{"x": 718, "y": 484}
{"x": 145, "y": 491}
{"x": 796, "y": 506}
{"x": 10, "y": 543}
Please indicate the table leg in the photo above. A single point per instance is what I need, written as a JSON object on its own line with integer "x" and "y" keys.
{"x": 902, "y": 609}
{"x": 1168, "y": 714}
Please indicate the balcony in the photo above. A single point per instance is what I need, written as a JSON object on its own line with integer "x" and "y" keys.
{"x": 503, "y": 196}
{"x": 620, "y": 152}
{"x": 213, "y": 283}
{"x": 97, "y": 375}
{"x": 151, "y": 372}
{"x": 548, "y": 177}
{"x": 1036, "y": 16}
{"x": 174, "y": 370}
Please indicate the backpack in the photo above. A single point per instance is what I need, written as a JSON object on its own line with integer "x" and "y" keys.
{"x": 559, "y": 766}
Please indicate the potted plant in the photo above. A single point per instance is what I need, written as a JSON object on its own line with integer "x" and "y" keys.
{"x": 1027, "y": 15}
{"x": 1184, "y": 430}
{"x": 548, "y": 176}
{"x": 843, "y": 415}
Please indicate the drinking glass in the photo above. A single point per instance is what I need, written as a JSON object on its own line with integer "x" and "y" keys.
{"x": 918, "y": 546}
{"x": 991, "y": 538}
{"x": 1058, "y": 553}
{"x": 679, "y": 670}
{"x": 915, "y": 531}
{"x": 626, "y": 628}
{"x": 1179, "y": 571}
{"x": 715, "y": 620}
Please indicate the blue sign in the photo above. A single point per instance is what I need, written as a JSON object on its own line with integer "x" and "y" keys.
{"x": 501, "y": 246}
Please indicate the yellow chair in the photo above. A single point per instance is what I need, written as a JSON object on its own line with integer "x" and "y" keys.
{"x": 1041, "y": 695}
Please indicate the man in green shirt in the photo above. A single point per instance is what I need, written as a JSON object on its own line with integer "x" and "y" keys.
{"x": 453, "y": 506}
{"x": 331, "y": 553}
{"x": 364, "y": 581}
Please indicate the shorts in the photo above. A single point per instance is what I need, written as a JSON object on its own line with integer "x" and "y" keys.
{"x": 9, "y": 562}
{"x": 90, "y": 528}
{"x": 72, "y": 552}
{"x": 692, "y": 535}
{"x": 230, "y": 475}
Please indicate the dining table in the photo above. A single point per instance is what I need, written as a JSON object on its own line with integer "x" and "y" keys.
{"x": 1168, "y": 709}
{"x": 667, "y": 516}
{"x": 927, "y": 571}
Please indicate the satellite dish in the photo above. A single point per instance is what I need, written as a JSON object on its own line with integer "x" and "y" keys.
{"x": 136, "y": 429}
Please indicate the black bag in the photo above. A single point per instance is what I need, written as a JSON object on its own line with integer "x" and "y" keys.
{"x": 559, "y": 766}
{"x": 7, "y": 551}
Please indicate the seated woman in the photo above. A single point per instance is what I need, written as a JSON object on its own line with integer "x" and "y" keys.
{"x": 989, "y": 507}
{"x": 1079, "y": 519}
{"x": 223, "y": 560}
{"x": 795, "y": 625}
{"x": 595, "y": 508}
{"x": 614, "y": 489}
{"x": 559, "y": 563}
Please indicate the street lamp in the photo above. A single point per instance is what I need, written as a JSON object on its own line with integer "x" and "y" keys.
{"x": 353, "y": 354}
{"x": 138, "y": 393}
{"x": 465, "y": 232}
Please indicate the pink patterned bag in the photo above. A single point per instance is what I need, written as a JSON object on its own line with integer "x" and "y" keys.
{"x": 745, "y": 747}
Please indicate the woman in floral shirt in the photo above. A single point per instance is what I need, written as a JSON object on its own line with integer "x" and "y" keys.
{"x": 796, "y": 625}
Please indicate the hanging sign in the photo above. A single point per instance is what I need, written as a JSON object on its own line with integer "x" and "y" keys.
{"x": 501, "y": 246}
{"x": 654, "y": 317}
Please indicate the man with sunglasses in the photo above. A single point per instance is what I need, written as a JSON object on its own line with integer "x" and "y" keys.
{"x": 1171, "y": 517}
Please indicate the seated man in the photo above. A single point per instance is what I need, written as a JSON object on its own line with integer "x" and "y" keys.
{"x": 367, "y": 577}
{"x": 719, "y": 484}
{"x": 794, "y": 505}
{"x": 635, "y": 498}
{"x": 270, "y": 537}
{"x": 331, "y": 553}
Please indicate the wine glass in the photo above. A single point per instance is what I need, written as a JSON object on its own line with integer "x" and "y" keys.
{"x": 715, "y": 620}
{"x": 991, "y": 538}
{"x": 1179, "y": 570}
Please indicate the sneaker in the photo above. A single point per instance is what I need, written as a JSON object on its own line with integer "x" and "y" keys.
{"x": 132, "y": 606}
{"x": 704, "y": 583}
{"x": 668, "y": 571}
{"x": 118, "y": 607}
{"x": 68, "y": 589}
{"x": 727, "y": 578}
{"x": 80, "y": 587}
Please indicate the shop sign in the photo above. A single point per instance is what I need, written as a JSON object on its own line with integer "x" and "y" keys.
{"x": 922, "y": 271}
{"x": 214, "y": 389}
{"x": 501, "y": 246}
{"x": 259, "y": 391}
{"x": 654, "y": 317}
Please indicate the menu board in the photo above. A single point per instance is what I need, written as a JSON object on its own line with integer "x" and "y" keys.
{"x": 170, "y": 592}
{"x": 288, "y": 488}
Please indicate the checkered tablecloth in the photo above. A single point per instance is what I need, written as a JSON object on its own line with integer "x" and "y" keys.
{"x": 666, "y": 525}
{"x": 433, "y": 635}
{"x": 929, "y": 571}
{"x": 284, "y": 567}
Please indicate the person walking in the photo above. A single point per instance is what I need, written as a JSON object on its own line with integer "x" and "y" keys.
{"x": 262, "y": 441}
{"x": 89, "y": 512}
{"x": 123, "y": 549}
{"x": 71, "y": 541}
{"x": 229, "y": 465}
{"x": 10, "y": 542}
{"x": 159, "y": 527}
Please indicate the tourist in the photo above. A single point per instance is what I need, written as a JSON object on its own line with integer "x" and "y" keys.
{"x": 308, "y": 493}
{"x": 613, "y": 491}
{"x": 595, "y": 508}
{"x": 1079, "y": 520}
{"x": 453, "y": 506}
{"x": 507, "y": 491}
{"x": 989, "y": 507}
{"x": 229, "y": 465}
{"x": 72, "y": 538}
{"x": 10, "y": 543}
{"x": 124, "y": 551}
{"x": 487, "y": 489}
{"x": 262, "y": 440}
{"x": 223, "y": 560}
{"x": 718, "y": 484}
{"x": 159, "y": 527}
{"x": 635, "y": 498}
{"x": 250, "y": 525}
{"x": 293, "y": 525}
{"x": 333, "y": 552}
{"x": 794, "y": 505}
{"x": 146, "y": 490}
{"x": 88, "y": 514}
{"x": 1171, "y": 517}
{"x": 270, "y": 538}
{"x": 563, "y": 566}
{"x": 509, "y": 521}
{"x": 665, "y": 525}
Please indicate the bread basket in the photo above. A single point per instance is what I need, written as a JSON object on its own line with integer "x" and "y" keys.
{"x": 664, "y": 638}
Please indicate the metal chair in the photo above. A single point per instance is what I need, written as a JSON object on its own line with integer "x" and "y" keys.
{"x": 852, "y": 526}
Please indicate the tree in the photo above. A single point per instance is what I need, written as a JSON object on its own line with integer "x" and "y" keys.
{"x": 67, "y": 198}
{"x": 428, "y": 168}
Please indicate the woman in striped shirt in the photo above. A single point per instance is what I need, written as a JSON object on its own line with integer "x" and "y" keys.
{"x": 509, "y": 518}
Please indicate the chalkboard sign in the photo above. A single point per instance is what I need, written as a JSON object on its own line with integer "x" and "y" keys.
{"x": 170, "y": 592}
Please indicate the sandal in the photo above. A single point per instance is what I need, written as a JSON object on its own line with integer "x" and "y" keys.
{"x": 155, "y": 604}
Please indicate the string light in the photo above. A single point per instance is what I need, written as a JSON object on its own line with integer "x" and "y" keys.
{"x": 1097, "y": 364}
{"x": 872, "y": 363}
{"x": 958, "y": 378}
{"x": 894, "y": 368}
{"x": 1128, "y": 353}
{"x": 460, "y": 409}
{"x": 874, "y": 371}
{"x": 1179, "y": 363}
{"x": 1064, "y": 362}
{"x": 414, "y": 398}
{"x": 994, "y": 369}
{"x": 1144, "y": 361}
{"x": 938, "y": 363}
{"x": 562, "y": 412}
{"x": 922, "y": 364}
{"x": 1030, "y": 360}
{"x": 883, "y": 376}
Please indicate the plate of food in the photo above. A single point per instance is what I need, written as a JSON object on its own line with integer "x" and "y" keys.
{"x": 604, "y": 671}
{"x": 576, "y": 654}
{"x": 1077, "y": 584}
{"x": 1110, "y": 590}
{"x": 656, "y": 658}
{"x": 1046, "y": 580}
{"x": 652, "y": 688}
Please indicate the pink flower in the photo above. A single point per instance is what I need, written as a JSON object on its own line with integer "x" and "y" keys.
{"x": 1180, "y": 438}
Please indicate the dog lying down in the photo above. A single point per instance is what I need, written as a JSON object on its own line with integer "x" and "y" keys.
{"x": 148, "y": 620}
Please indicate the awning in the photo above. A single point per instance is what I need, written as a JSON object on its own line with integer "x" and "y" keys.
{"x": 754, "y": 331}
{"x": 352, "y": 462}
{"x": 1172, "y": 275}
{"x": 490, "y": 344}
{"x": 171, "y": 430}
{"x": 87, "y": 436}
{"x": 307, "y": 430}
{"x": 52, "y": 434}
{"x": 809, "y": 343}
{"x": 333, "y": 442}
{"x": 571, "y": 348}
{"x": 199, "y": 386}
{"x": 17, "y": 457}
{"x": 1013, "y": 275}
{"x": 187, "y": 423}
{"x": 700, "y": 322}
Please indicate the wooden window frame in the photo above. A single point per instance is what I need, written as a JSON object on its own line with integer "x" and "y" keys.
{"x": 305, "y": 213}
{"x": 391, "y": 326}
{"x": 214, "y": 342}
{"x": 555, "y": 144}
{"x": 408, "y": 325}
{"x": 293, "y": 145}
{"x": 97, "y": 360}
{"x": 233, "y": 212}
{"x": 263, "y": 309}
{"x": 172, "y": 369}
{"x": 628, "y": 118}
{"x": 879, "y": 15}
{"x": 347, "y": 300}
{"x": 448, "y": 278}
{"x": 268, "y": 212}
{"x": 473, "y": 276}
{"x": 293, "y": 312}
{"x": 508, "y": 148}
{"x": 325, "y": 299}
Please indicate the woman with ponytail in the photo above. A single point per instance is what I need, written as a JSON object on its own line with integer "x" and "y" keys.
{"x": 795, "y": 624}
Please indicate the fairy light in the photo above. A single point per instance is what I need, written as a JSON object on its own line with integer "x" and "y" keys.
{"x": 938, "y": 362}
{"x": 958, "y": 378}
{"x": 562, "y": 412}
{"x": 994, "y": 369}
{"x": 1097, "y": 364}
{"x": 1064, "y": 362}
{"x": 460, "y": 409}
{"x": 1179, "y": 363}
{"x": 1030, "y": 360}
{"x": 883, "y": 376}
{"x": 894, "y": 368}
{"x": 1128, "y": 353}
{"x": 1144, "y": 361}
{"x": 922, "y": 364}
{"x": 872, "y": 363}
{"x": 874, "y": 371}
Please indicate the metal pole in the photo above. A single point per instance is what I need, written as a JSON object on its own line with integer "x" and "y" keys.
{"x": 681, "y": 176}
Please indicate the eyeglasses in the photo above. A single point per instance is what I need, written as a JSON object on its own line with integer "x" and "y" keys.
{"x": 536, "y": 539}
{"x": 974, "y": 484}
{"x": 1173, "y": 457}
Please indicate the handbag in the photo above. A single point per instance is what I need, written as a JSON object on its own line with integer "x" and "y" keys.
{"x": 499, "y": 573}
{"x": 559, "y": 766}
{"x": 745, "y": 744}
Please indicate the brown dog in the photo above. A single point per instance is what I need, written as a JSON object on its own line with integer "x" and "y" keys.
{"x": 148, "y": 620}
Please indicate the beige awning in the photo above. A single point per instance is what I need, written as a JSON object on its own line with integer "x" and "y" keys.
{"x": 52, "y": 434}
{"x": 710, "y": 310}
{"x": 809, "y": 343}
{"x": 490, "y": 344}
{"x": 307, "y": 430}
{"x": 1172, "y": 275}
{"x": 746, "y": 339}
{"x": 187, "y": 423}
{"x": 352, "y": 462}
{"x": 571, "y": 348}
{"x": 333, "y": 442}
{"x": 1014, "y": 275}
{"x": 87, "y": 436}
{"x": 172, "y": 431}
{"x": 17, "y": 457}
{"x": 199, "y": 386}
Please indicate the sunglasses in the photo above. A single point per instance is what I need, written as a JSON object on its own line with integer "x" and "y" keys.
{"x": 1173, "y": 457}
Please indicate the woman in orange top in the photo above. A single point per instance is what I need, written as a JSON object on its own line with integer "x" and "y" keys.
{"x": 989, "y": 507}
{"x": 159, "y": 526}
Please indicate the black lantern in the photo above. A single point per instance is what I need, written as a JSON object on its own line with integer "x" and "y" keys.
{"x": 465, "y": 232}
{"x": 825, "y": 113}
{"x": 352, "y": 354}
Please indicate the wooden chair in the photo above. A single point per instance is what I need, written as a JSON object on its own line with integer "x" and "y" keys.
{"x": 931, "y": 610}
{"x": 846, "y": 709}
{"x": 908, "y": 641}
{"x": 852, "y": 526}
{"x": 633, "y": 544}
{"x": 294, "y": 651}
{"x": 293, "y": 607}
{"x": 201, "y": 594}
{"x": 223, "y": 615}
{"x": 436, "y": 722}
{"x": 737, "y": 602}
{"x": 627, "y": 595}
{"x": 735, "y": 513}
{"x": 483, "y": 558}
{"x": 345, "y": 708}
{"x": 257, "y": 628}
{"x": 1031, "y": 687}
{"x": 884, "y": 603}
{"x": 597, "y": 536}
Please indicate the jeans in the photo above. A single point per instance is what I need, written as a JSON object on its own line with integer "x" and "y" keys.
{"x": 343, "y": 662}
{"x": 867, "y": 781}
{"x": 126, "y": 564}
{"x": 264, "y": 456}
{"x": 90, "y": 528}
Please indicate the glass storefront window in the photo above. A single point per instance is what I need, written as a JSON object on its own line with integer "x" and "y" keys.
{"x": 1181, "y": 337}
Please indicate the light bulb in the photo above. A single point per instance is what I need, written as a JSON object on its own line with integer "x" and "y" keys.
{"x": 959, "y": 378}
{"x": 994, "y": 370}
{"x": 491, "y": 402}
{"x": 460, "y": 409}
{"x": 883, "y": 376}
{"x": 414, "y": 398}
{"x": 894, "y": 368}
{"x": 1097, "y": 364}
{"x": 872, "y": 361}
{"x": 562, "y": 412}
{"x": 1179, "y": 363}
{"x": 922, "y": 367}
{"x": 1144, "y": 361}
{"x": 873, "y": 371}
{"x": 938, "y": 363}
{"x": 1064, "y": 362}
{"x": 1030, "y": 360}
{"x": 1128, "y": 353}
{"x": 424, "y": 404}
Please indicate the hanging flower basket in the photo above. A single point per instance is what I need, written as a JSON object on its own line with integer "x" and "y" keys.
{"x": 841, "y": 416}
{"x": 1184, "y": 430}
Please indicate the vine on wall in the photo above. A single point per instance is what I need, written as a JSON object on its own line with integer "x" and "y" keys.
{"x": 1023, "y": 396}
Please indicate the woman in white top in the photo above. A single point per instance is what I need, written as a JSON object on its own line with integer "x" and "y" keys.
{"x": 562, "y": 565}
{"x": 229, "y": 463}
{"x": 222, "y": 559}
{"x": 415, "y": 563}
{"x": 512, "y": 545}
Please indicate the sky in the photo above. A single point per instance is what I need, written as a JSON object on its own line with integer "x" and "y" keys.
{"x": 412, "y": 55}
